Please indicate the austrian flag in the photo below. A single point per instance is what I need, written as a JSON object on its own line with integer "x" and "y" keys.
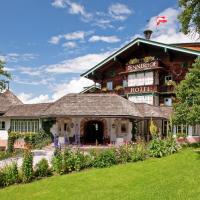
{"x": 161, "y": 19}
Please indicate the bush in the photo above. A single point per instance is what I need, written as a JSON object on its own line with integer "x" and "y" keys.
{"x": 139, "y": 152}
{"x": 2, "y": 178}
{"x": 123, "y": 154}
{"x": 11, "y": 174}
{"x": 106, "y": 158}
{"x": 171, "y": 145}
{"x": 42, "y": 168}
{"x": 73, "y": 161}
{"x": 159, "y": 148}
{"x": 27, "y": 167}
{"x": 57, "y": 161}
{"x": 4, "y": 155}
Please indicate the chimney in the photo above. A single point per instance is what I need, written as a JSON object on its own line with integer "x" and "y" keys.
{"x": 147, "y": 34}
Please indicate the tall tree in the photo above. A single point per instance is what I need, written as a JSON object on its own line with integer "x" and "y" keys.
{"x": 187, "y": 106}
{"x": 190, "y": 16}
{"x": 5, "y": 74}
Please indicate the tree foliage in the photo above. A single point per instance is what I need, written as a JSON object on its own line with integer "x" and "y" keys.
{"x": 187, "y": 106}
{"x": 5, "y": 74}
{"x": 190, "y": 16}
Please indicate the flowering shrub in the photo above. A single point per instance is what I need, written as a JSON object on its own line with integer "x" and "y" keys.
{"x": 27, "y": 167}
{"x": 159, "y": 148}
{"x": 11, "y": 174}
{"x": 42, "y": 168}
{"x": 57, "y": 161}
{"x": 106, "y": 158}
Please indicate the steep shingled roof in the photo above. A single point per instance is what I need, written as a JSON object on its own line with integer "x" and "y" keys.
{"x": 8, "y": 99}
{"x": 93, "y": 105}
{"x": 27, "y": 110}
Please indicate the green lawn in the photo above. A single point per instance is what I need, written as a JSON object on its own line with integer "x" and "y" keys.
{"x": 173, "y": 177}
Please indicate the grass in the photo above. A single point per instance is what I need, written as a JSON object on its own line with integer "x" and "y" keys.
{"x": 173, "y": 177}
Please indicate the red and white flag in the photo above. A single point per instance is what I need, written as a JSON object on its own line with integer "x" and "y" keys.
{"x": 161, "y": 19}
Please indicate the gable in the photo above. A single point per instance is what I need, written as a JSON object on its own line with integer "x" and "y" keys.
{"x": 137, "y": 42}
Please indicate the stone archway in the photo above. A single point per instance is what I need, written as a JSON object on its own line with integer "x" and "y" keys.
{"x": 85, "y": 120}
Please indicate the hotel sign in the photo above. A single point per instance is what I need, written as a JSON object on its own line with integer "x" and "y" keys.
{"x": 142, "y": 89}
{"x": 142, "y": 66}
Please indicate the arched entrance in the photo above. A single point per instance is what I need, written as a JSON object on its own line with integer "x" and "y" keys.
{"x": 93, "y": 132}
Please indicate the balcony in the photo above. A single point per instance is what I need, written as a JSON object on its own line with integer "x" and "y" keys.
{"x": 166, "y": 89}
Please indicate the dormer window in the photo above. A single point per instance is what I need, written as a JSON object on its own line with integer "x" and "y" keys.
{"x": 110, "y": 85}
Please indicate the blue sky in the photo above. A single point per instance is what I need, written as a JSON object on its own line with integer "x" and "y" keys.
{"x": 47, "y": 43}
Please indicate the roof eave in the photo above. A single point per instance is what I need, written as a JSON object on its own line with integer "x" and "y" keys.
{"x": 167, "y": 46}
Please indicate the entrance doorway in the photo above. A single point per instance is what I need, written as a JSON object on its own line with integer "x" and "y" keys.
{"x": 93, "y": 132}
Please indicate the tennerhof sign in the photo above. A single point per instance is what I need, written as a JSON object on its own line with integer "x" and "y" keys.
{"x": 142, "y": 66}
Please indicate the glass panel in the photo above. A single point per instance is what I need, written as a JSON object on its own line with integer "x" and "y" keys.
{"x": 110, "y": 85}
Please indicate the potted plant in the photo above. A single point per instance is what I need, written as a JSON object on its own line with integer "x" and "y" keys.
{"x": 148, "y": 59}
{"x": 104, "y": 89}
{"x": 118, "y": 87}
{"x": 133, "y": 61}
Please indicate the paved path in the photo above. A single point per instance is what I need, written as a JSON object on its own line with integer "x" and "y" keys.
{"x": 38, "y": 155}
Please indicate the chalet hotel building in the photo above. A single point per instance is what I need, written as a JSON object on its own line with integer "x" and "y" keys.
{"x": 144, "y": 71}
{"x": 132, "y": 86}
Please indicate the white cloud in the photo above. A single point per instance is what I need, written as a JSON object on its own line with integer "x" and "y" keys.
{"x": 28, "y": 98}
{"x": 16, "y": 57}
{"x": 74, "y": 86}
{"x": 168, "y": 32}
{"x": 115, "y": 12}
{"x": 55, "y": 39}
{"x": 30, "y": 71}
{"x": 70, "y": 45}
{"x": 77, "y": 35}
{"x": 73, "y": 8}
{"x": 108, "y": 39}
{"x": 119, "y": 11}
{"x": 59, "y": 3}
{"x": 76, "y": 65}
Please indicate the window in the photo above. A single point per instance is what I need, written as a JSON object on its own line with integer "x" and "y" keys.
{"x": 125, "y": 84}
{"x": 148, "y": 80}
{"x": 25, "y": 125}
{"x": 168, "y": 101}
{"x": 110, "y": 85}
{"x": 123, "y": 128}
{"x": 2, "y": 125}
{"x": 141, "y": 99}
{"x": 168, "y": 78}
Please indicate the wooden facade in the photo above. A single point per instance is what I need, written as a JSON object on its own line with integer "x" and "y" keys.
{"x": 145, "y": 81}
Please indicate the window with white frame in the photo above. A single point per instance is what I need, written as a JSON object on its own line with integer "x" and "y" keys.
{"x": 125, "y": 84}
{"x": 148, "y": 80}
{"x": 110, "y": 85}
{"x": 140, "y": 78}
{"x": 168, "y": 78}
{"x": 24, "y": 125}
{"x": 141, "y": 99}
{"x": 168, "y": 101}
{"x": 182, "y": 129}
{"x": 2, "y": 125}
{"x": 196, "y": 130}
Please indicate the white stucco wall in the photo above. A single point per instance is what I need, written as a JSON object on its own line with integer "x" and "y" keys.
{"x": 113, "y": 128}
{"x": 4, "y": 133}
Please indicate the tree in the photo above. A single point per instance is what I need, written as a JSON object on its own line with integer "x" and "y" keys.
{"x": 187, "y": 106}
{"x": 190, "y": 16}
{"x": 5, "y": 74}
